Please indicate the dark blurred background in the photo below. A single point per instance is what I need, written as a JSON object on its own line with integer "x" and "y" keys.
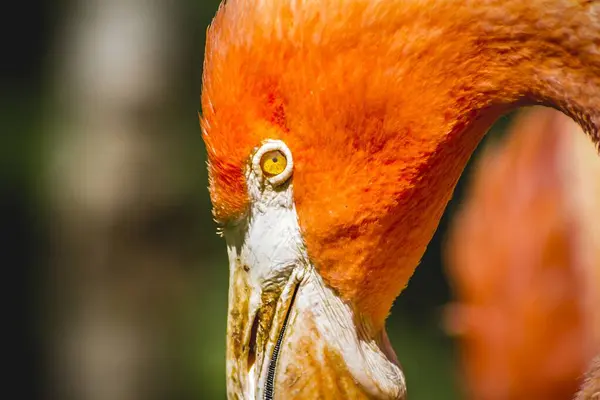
{"x": 121, "y": 281}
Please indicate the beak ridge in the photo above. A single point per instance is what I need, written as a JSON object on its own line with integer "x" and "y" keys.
{"x": 256, "y": 325}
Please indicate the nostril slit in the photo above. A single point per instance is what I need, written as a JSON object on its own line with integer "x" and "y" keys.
{"x": 252, "y": 344}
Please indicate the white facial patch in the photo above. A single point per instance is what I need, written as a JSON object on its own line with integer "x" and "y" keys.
{"x": 270, "y": 269}
{"x": 271, "y": 237}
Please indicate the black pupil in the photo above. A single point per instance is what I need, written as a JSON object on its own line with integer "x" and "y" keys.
{"x": 274, "y": 159}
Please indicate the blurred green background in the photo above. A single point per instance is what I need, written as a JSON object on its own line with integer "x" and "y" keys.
{"x": 106, "y": 215}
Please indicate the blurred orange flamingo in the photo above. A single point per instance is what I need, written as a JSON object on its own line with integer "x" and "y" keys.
{"x": 524, "y": 262}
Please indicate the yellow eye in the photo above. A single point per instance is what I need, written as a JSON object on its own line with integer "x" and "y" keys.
{"x": 273, "y": 163}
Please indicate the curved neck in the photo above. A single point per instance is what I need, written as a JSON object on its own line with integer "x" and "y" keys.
{"x": 505, "y": 54}
{"x": 544, "y": 53}
{"x": 485, "y": 58}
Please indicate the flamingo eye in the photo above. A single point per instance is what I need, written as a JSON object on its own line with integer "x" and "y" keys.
{"x": 273, "y": 163}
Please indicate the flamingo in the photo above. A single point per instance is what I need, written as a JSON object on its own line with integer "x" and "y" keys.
{"x": 524, "y": 258}
{"x": 336, "y": 131}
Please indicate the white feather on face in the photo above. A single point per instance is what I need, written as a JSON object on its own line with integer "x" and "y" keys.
{"x": 273, "y": 283}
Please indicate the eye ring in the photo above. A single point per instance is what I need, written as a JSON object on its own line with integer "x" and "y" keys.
{"x": 279, "y": 174}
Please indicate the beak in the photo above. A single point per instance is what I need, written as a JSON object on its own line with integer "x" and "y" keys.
{"x": 292, "y": 337}
{"x": 257, "y": 320}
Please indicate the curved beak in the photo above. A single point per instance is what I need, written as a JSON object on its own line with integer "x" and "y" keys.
{"x": 256, "y": 325}
{"x": 290, "y": 336}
